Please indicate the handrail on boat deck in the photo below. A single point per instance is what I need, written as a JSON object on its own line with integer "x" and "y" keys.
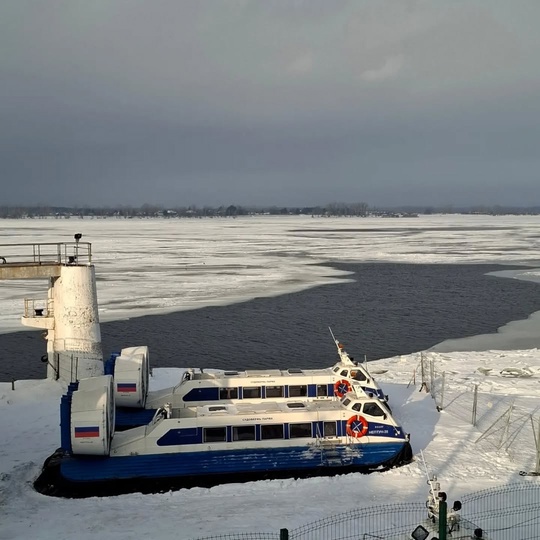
{"x": 68, "y": 253}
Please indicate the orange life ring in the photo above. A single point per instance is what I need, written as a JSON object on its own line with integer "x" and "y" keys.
{"x": 357, "y": 426}
{"x": 342, "y": 387}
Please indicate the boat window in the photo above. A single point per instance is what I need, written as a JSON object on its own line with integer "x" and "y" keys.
{"x": 228, "y": 393}
{"x": 252, "y": 392}
{"x": 358, "y": 375}
{"x": 298, "y": 391}
{"x": 329, "y": 429}
{"x": 345, "y": 373}
{"x": 322, "y": 390}
{"x": 274, "y": 391}
{"x": 357, "y": 407}
{"x": 295, "y": 370}
{"x": 300, "y": 430}
{"x": 215, "y": 434}
{"x": 346, "y": 401}
{"x": 373, "y": 409}
{"x": 336, "y": 369}
{"x": 230, "y": 373}
{"x": 202, "y": 394}
{"x": 272, "y": 431}
{"x": 243, "y": 433}
{"x": 216, "y": 409}
{"x": 296, "y": 405}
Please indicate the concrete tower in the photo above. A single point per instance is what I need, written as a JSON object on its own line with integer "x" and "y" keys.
{"x": 69, "y": 312}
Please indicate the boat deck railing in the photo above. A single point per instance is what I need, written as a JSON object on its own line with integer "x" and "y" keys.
{"x": 42, "y": 254}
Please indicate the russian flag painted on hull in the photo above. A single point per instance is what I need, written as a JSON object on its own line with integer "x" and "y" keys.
{"x": 87, "y": 431}
{"x": 126, "y": 387}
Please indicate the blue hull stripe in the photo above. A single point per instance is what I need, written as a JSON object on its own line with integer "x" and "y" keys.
{"x": 189, "y": 464}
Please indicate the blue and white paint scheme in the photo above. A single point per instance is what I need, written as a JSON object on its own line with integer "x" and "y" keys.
{"x": 225, "y": 441}
{"x": 199, "y": 386}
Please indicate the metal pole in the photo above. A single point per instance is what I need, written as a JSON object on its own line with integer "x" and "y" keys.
{"x": 56, "y": 360}
{"x": 423, "y": 385}
{"x": 431, "y": 378}
{"x": 442, "y": 390}
{"x": 442, "y": 520}
{"x": 537, "y": 469}
{"x": 475, "y": 404}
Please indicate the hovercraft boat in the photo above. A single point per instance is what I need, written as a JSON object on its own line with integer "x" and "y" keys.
{"x": 216, "y": 443}
{"x": 136, "y": 405}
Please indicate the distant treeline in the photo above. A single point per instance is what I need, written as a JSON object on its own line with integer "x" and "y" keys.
{"x": 360, "y": 209}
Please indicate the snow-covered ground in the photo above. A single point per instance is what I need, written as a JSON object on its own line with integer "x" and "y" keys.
{"x": 29, "y": 422}
{"x": 466, "y": 458}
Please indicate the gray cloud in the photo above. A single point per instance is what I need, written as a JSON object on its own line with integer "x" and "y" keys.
{"x": 250, "y": 102}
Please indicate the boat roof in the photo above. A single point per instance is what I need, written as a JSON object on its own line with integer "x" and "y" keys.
{"x": 269, "y": 373}
{"x": 248, "y": 409}
{"x": 241, "y": 409}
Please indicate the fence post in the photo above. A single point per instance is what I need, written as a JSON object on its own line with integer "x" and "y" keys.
{"x": 442, "y": 519}
{"x": 432, "y": 378}
{"x": 475, "y": 403}
{"x": 441, "y": 406}
{"x": 537, "y": 444}
{"x": 284, "y": 534}
{"x": 424, "y": 385}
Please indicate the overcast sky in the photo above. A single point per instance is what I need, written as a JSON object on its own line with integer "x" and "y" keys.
{"x": 108, "y": 102}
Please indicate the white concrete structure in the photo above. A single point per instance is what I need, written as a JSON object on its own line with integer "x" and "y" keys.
{"x": 69, "y": 313}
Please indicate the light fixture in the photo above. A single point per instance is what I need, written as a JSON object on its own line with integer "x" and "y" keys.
{"x": 420, "y": 533}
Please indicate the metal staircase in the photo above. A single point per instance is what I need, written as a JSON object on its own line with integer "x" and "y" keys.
{"x": 333, "y": 452}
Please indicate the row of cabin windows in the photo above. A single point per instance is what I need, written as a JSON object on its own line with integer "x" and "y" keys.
{"x": 248, "y": 392}
{"x": 268, "y": 431}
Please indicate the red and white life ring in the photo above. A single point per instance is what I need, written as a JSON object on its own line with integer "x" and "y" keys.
{"x": 342, "y": 387}
{"x": 357, "y": 426}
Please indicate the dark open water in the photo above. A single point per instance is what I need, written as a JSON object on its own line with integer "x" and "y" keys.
{"x": 390, "y": 309}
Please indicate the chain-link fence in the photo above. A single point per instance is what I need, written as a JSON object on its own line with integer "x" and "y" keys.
{"x": 507, "y": 513}
{"x": 505, "y": 422}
